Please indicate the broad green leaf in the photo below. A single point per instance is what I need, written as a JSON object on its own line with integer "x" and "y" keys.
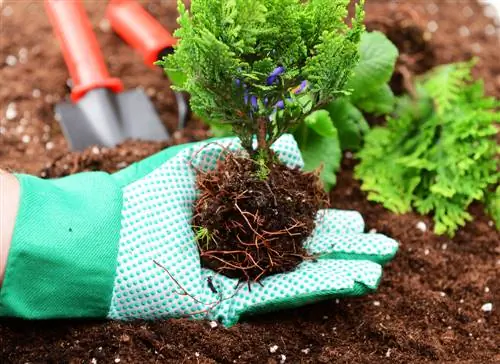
{"x": 349, "y": 122}
{"x": 379, "y": 102}
{"x": 320, "y": 122}
{"x": 319, "y": 144}
{"x": 377, "y": 61}
{"x": 220, "y": 130}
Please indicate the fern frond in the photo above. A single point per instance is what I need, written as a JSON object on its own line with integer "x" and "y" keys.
{"x": 438, "y": 152}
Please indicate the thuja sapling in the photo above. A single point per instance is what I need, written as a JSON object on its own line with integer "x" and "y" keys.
{"x": 261, "y": 67}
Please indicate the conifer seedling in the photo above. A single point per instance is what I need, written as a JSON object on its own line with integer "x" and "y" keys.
{"x": 261, "y": 67}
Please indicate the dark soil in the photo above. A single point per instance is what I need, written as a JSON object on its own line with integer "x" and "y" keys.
{"x": 429, "y": 304}
{"x": 256, "y": 227}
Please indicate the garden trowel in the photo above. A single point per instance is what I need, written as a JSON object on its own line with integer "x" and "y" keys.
{"x": 146, "y": 35}
{"x": 100, "y": 112}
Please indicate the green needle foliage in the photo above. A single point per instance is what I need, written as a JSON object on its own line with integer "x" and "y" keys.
{"x": 263, "y": 66}
{"x": 438, "y": 153}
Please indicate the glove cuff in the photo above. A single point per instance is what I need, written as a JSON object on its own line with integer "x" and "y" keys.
{"x": 63, "y": 255}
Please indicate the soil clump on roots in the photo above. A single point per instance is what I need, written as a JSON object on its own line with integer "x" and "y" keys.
{"x": 249, "y": 227}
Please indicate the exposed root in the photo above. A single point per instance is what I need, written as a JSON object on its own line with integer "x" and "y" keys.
{"x": 257, "y": 227}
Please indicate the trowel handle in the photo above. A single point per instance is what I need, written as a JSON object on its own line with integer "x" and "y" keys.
{"x": 80, "y": 48}
{"x": 138, "y": 28}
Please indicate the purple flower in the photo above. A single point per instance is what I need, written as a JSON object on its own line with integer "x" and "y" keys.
{"x": 280, "y": 104}
{"x": 274, "y": 75}
{"x": 237, "y": 82}
{"x": 245, "y": 96}
{"x": 297, "y": 90}
{"x": 253, "y": 101}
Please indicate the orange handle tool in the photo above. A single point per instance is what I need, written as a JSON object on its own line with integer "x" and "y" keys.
{"x": 139, "y": 29}
{"x": 80, "y": 48}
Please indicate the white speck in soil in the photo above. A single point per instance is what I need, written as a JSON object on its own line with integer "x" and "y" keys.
{"x": 376, "y": 303}
{"x": 442, "y": 294}
{"x": 432, "y": 8}
{"x": 467, "y": 11}
{"x": 150, "y": 91}
{"x": 490, "y": 223}
{"x": 7, "y": 11}
{"x": 479, "y": 321}
{"x": 36, "y": 93}
{"x": 372, "y": 231}
{"x": 388, "y": 353}
{"x": 26, "y": 139}
{"x": 105, "y": 25}
{"x": 421, "y": 226}
{"x": 197, "y": 354}
{"x": 426, "y": 252}
{"x": 283, "y": 358}
{"x": 306, "y": 351}
{"x": 273, "y": 349}
{"x": 10, "y": 60}
{"x": 490, "y": 11}
{"x": 213, "y": 324}
{"x": 348, "y": 155}
{"x": 432, "y": 26}
{"x": 337, "y": 301}
{"x": 486, "y": 289}
{"x": 490, "y": 29}
{"x": 49, "y": 99}
{"x": 23, "y": 55}
{"x": 487, "y": 307}
{"x": 444, "y": 246}
{"x": 463, "y": 31}
{"x": 121, "y": 165}
{"x": 95, "y": 150}
{"x": 93, "y": 361}
{"x": 117, "y": 360}
{"x": 476, "y": 47}
{"x": 461, "y": 301}
{"x": 99, "y": 348}
{"x": 49, "y": 146}
{"x": 11, "y": 111}
{"x": 325, "y": 317}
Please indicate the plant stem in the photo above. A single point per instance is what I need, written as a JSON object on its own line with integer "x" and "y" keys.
{"x": 262, "y": 135}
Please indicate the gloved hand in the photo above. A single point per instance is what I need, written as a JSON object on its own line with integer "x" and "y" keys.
{"x": 121, "y": 246}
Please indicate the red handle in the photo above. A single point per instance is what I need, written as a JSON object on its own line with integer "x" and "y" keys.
{"x": 80, "y": 48}
{"x": 138, "y": 28}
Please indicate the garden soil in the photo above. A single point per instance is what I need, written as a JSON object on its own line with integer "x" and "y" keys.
{"x": 432, "y": 304}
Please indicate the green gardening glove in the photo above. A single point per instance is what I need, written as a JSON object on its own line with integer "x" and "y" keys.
{"x": 121, "y": 246}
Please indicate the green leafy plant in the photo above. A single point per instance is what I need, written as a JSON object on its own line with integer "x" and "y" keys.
{"x": 493, "y": 205}
{"x": 437, "y": 153}
{"x": 341, "y": 124}
{"x": 369, "y": 90}
{"x": 264, "y": 66}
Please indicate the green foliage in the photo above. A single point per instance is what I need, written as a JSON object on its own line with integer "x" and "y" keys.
{"x": 228, "y": 49}
{"x": 437, "y": 154}
{"x": 369, "y": 88}
{"x": 318, "y": 141}
{"x": 493, "y": 205}
{"x": 203, "y": 236}
{"x": 350, "y": 123}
